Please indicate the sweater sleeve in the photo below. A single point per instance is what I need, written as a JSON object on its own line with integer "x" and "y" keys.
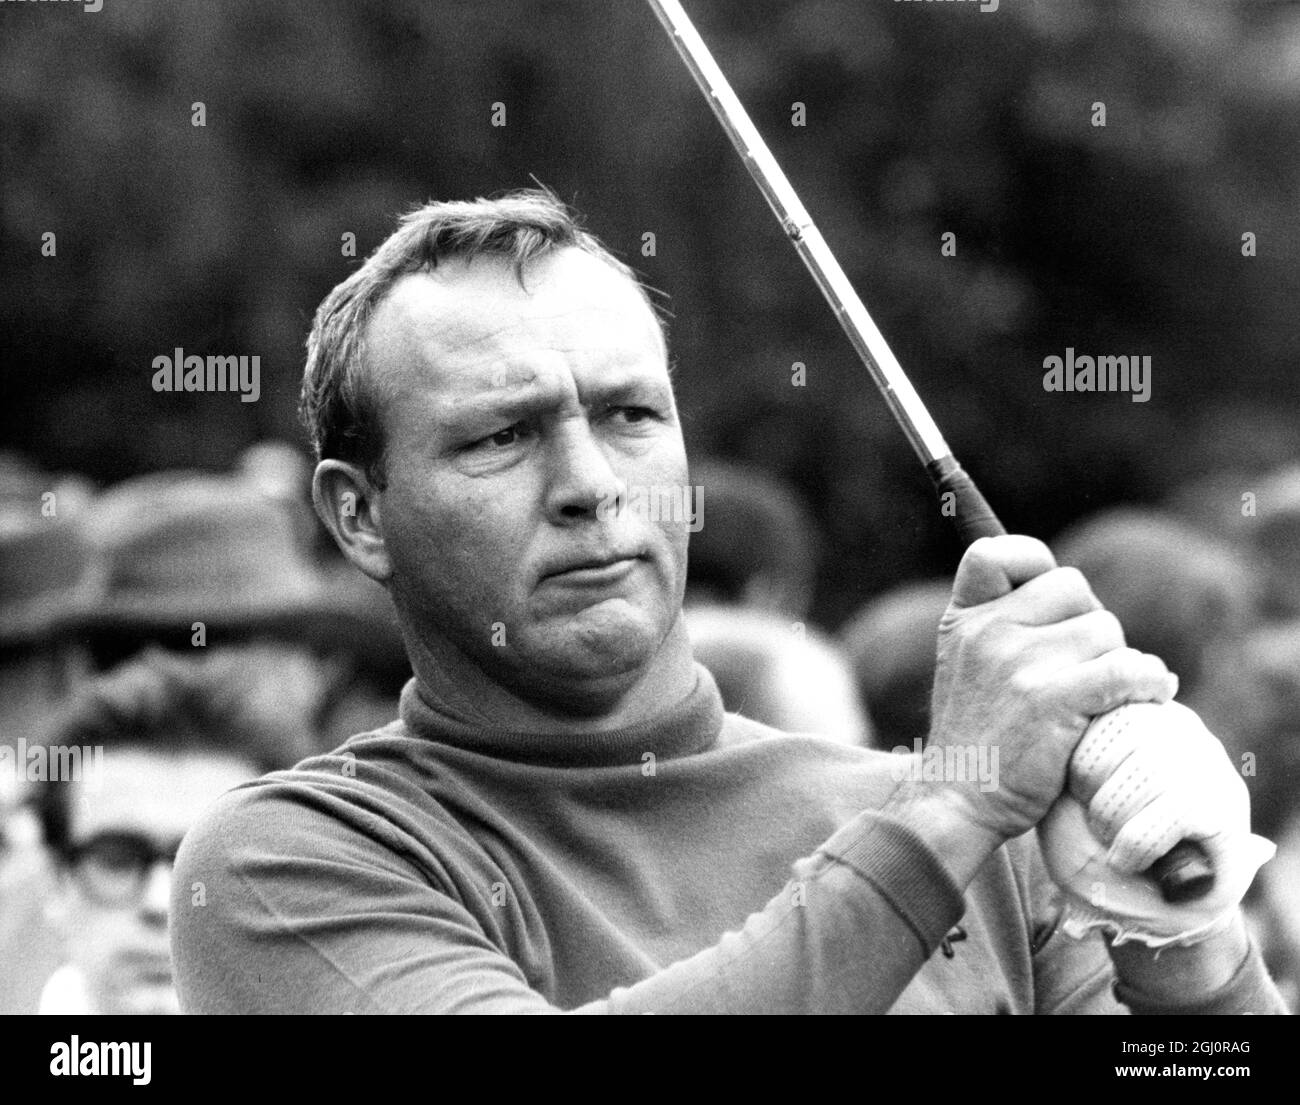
{"x": 280, "y": 909}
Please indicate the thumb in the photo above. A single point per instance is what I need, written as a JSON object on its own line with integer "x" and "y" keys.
{"x": 995, "y": 566}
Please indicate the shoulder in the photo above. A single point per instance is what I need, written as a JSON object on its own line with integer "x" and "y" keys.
{"x": 366, "y": 790}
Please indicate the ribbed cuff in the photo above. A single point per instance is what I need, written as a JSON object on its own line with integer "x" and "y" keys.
{"x": 904, "y": 871}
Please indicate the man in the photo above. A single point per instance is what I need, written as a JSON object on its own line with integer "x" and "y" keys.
{"x": 143, "y": 751}
{"x": 42, "y": 558}
{"x": 564, "y": 818}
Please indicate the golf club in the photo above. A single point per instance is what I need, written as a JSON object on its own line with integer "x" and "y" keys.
{"x": 1184, "y": 872}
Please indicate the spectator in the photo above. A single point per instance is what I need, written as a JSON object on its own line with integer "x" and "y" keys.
{"x": 1276, "y": 911}
{"x": 205, "y": 564}
{"x": 756, "y": 543}
{"x": 149, "y": 747}
{"x": 752, "y": 568}
{"x": 891, "y": 645}
{"x": 1275, "y": 537}
{"x": 1179, "y": 593}
{"x": 1252, "y": 701}
{"x": 786, "y": 675}
{"x": 42, "y": 557}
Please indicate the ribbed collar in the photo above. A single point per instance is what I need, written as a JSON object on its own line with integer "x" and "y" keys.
{"x": 691, "y": 725}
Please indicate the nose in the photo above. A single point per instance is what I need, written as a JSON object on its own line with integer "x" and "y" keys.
{"x": 582, "y": 484}
{"x": 157, "y": 892}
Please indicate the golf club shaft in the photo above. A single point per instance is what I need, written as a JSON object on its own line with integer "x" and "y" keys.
{"x": 1184, "y": 872}
{"x": 960, "y": 497}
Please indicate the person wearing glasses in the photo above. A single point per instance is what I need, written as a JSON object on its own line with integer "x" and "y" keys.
{"x": 156, "y": 741}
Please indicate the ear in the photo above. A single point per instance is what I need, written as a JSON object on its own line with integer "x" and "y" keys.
{"x": 348, "y": 504}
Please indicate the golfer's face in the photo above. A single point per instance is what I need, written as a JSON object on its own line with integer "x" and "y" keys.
{"x": 514, "y": 420}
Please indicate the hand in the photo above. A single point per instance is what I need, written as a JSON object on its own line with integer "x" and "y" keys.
{"x": 1142, "y": 779}
{"x": 1026, "y": 658}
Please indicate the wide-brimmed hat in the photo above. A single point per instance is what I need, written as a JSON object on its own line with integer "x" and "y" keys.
{"x": 40, "y": 565}
{"x": 43, "y": 551}
{"x": 175, "y": 548}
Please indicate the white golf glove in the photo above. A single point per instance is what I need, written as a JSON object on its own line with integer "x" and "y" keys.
{"x": 1142, "y": 778}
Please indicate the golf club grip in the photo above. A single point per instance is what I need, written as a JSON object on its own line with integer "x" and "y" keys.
{"x": 960, "y": 500}
{"x": 1184, "y": 872}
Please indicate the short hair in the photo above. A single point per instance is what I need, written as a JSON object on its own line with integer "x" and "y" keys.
{"x": 339, "y": 404}
{"x": 157, "y": 702}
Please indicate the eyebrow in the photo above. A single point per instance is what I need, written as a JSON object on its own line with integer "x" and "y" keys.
{"x": 532, "y": 398}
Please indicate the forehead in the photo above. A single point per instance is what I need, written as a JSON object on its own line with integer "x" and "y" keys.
{"x": 157, "y": 793}
{"x": 466, "y": 318}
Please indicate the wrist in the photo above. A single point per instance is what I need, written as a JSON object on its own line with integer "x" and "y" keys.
{"x": 944, "y": 819}
{"x": 1182, "y": 974}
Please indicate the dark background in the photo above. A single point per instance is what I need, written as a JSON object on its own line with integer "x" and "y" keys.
{"x": 334, "y": 116}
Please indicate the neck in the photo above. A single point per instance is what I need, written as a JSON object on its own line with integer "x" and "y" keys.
{"x": 455, "y": 685}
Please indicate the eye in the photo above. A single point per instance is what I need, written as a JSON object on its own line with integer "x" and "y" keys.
{"x": 635, "y": 414}
{"x": 502, "y": 439}
{"x": 112, "y": 856}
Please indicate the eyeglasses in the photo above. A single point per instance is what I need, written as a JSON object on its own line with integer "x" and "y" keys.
{"x": 113, "y": 867}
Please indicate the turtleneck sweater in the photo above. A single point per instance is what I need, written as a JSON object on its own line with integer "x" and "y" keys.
{"x": 698, "y": 862}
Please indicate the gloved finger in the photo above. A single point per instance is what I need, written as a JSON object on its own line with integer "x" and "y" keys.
{"x": 1107, "y": 742}
{"x": 1120, "y": 676}
{"x": 1149, "y": 834}
{"x": 1129, "y": 789}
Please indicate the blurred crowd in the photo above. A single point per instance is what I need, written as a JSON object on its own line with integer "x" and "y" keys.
{"x": 176, "y": 634}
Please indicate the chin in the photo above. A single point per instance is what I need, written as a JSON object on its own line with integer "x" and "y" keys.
{"x": 598, "y": 645}
{"x": 140, "y": 997}
{"x": 152, "y": 1001}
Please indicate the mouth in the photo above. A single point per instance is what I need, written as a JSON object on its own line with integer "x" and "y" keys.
{"x": 593, "y": 571}
{"x": 146, "y": 968}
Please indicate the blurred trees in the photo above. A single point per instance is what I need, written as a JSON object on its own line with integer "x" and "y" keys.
{"x": 329, "y": 118}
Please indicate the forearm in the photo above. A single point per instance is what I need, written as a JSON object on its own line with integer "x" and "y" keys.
{"x": 846, "y": 936}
